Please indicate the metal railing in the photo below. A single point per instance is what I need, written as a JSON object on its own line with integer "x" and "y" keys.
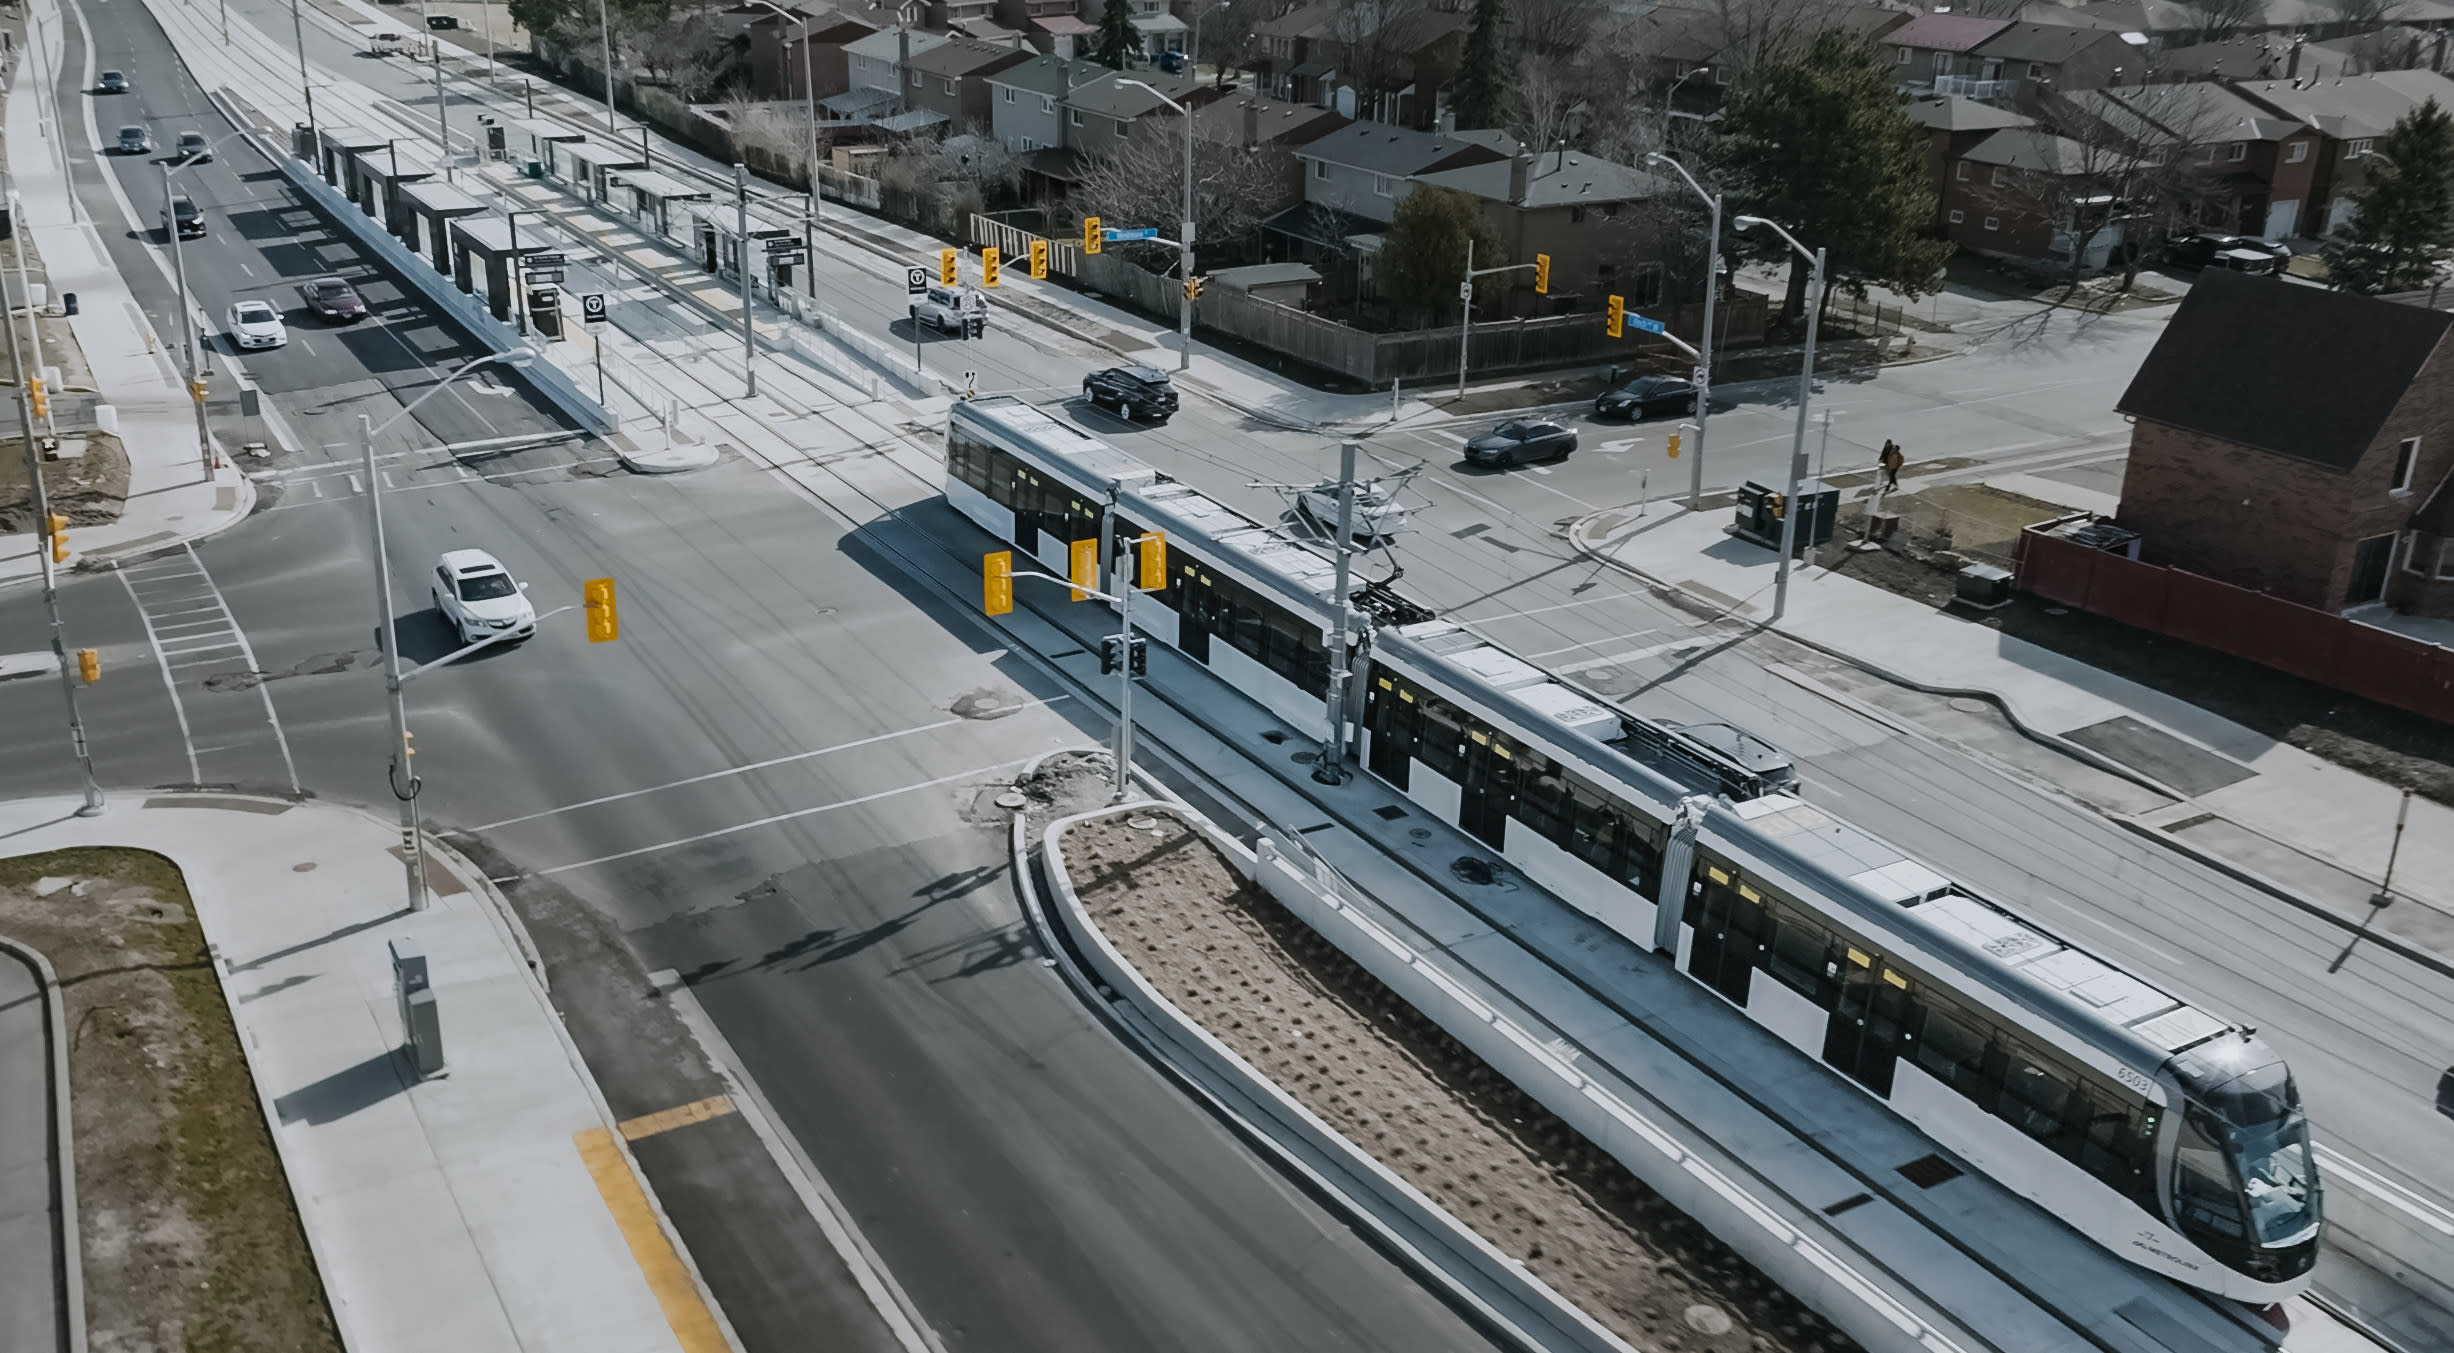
{"x": 1969, "y": 87}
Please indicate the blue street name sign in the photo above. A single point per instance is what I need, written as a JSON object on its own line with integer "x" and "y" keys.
{"x": 1136, "y": 233}
{"x": 1651, "y": 326}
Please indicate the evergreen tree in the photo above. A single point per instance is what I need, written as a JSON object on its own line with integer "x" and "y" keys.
{"x": 1478, "y": 94}
{"x": 1818, "y": 144}
{"x": 1423, "y": 253}
{"x": 1117, "y": 41}
{"x": 2402, "y": 224}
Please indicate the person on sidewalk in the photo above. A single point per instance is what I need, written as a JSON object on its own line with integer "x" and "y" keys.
{"x": 1890, "y": 461}
{"x": 975, "y": 321}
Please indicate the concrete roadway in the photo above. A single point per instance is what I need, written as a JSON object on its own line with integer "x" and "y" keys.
{"x": 843, "y": 911}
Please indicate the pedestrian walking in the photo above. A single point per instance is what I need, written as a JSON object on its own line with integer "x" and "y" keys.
{"x": 977, "y": 320}
{"x": 1891, "y": 460}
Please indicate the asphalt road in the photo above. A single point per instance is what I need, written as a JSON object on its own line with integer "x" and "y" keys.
{"x": 767, "y": 782}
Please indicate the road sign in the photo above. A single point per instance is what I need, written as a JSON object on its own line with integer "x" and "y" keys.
{"x": 1697, "y": 376}
{"x": 544, "y": 261}
{"x": 592, "y": 308}
{"x": 1465, "y": 291}
{"x": 1134, "y": 233}
{"x": 538, "y": 277}
{"x": 915, "y": 281}
{"x": 777, "y": 244}
{"x": 1651, "y": 326}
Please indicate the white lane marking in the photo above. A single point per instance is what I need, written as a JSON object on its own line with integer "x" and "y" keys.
{"x": 770, "y": 821}
{"x": 744, "y": 770}
{"x": 194, "y": 776}
{"x": 249, "y": 653}
{"x": 357, "y": 485}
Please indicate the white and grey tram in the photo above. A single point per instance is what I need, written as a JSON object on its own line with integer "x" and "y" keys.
{"x": 2172, "y": 1137}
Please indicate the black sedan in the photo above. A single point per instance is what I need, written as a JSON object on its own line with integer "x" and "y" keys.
{"x": 1519, "y": 441}
{"x": 1646, "y": 396}
{"x": 335, "y": 300}
{"x": 2237, "y": 253}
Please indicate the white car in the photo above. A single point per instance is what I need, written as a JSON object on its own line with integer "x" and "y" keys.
{"x": 253, "y": 324}
{"x": 478, "y": 597}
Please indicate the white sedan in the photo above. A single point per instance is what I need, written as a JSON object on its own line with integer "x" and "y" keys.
{"x": 253, "y": 324}
{"x": 479, "y": 598}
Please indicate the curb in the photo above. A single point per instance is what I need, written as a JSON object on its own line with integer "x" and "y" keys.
{"x": 647, "y": 463}
{"x": 63, "y": 1129}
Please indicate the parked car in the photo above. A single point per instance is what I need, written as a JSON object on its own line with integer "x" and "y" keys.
{"x": 134, "y": 140}
{"x": 334, "y": 299}
{"x": 1136, "y": 393}
{"x": 1173, "y": 63}
{"x": 2239, "y": 253}
{"x": 1646, "y": 396}
{"x": 1519, "y": 441}
{"x": 253, "y": 324}
{"x": 182, "y": 211}
{"x": 479, "y": 597}
{"x": 112, "y": 82}
{"x": 194, "y": 148}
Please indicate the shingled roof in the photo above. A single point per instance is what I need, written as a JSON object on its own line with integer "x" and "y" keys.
{"x": 2297, "y": 370}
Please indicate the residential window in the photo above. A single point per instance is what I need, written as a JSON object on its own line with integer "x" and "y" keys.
{"x": 949, "y": 84}
{"x": 1645, "y": 288}
{"x": 2445, "y": 559}
{"x": 2406, "y": 459}
{"x": 1904, "y": 56}
{"x": 2359, "y": 147}
{"x": 1958, "y": 216}
{"x": 2414, "y": 561}
{"x": 1576, "y": 216}
{"x": 1384, "y": 185}
{"x": 1996, "y": 179}
{"x": 1048, "y": 103}
{"x": 915, "y": 79}
{"x": 1124, "y": 129}
{"x": 1993, "y": 223}
{"x": 1008, "y": 92}
{"x": 1074, "y": 116}
{"x": 2296, "y": 152}
{"x": 2207, "y": 156}
{"x": 2240, "y": 151}
{"x": 1959, "y": 170}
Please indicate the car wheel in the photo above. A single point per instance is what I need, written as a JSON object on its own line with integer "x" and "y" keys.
{"x": 1125, "y": 409}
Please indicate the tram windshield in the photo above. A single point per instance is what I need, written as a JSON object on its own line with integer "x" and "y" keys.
{"x": 2244, "y": 1167}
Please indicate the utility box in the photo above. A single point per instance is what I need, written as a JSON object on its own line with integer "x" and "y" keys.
{"x": 1983, "y": 586}
{"x": 421, "y": 1025}
{"x": 1760, "y": 510}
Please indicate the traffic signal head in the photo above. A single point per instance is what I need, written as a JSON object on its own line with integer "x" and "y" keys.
{"x": 1674, "y": 446}
{"x": 1140, "y": 661}
{"x": 1776, "y": 505}
{"x": 58, "y": 531}
{"x": 946, "y": 265}
{"x": 1108, "y": 653}
{"x": 997, "y": 583}
{"x": 40, "y": 398}
{"x": 89, "y": 665}
{"x": 1082, "y": 566}
{"x": 989, "y": 259}
{"x": 1616, "y": 323}
{"x": 1039, "y": 258}
{"x": 1090, "y": 234}
{"x": 604, "y": 617}
{"x": 1542, "y": 274}
{"x": 1192, "y": 288}
{"x": 197, "y": 389}
{"x": 1153, "y": 570}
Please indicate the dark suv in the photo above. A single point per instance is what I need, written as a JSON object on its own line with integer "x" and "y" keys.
{"x": 1138, "y": 394}
{"x": 190, "y": 220}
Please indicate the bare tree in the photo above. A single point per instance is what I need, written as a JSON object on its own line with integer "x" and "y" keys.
{"x": 1142, "y": 182}
{"x": 2228, "y": 17}
{"x": 1557, "y": 30}
{"x": 685, "y": 51}
{"x": 2139, "y": 159}
{"x": 2367, "y": 15}
{"x": 1757, "y": 34}
{"x": 1364, "y": 31}
{"x": 1542, "y": 106}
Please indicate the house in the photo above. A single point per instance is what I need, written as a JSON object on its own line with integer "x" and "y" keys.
{"x": 1055, "y": 27}
{"x": 1287, "y": 66}
{"x": 2025, "y": 193}
{"x": 2028, "y": 60}
{"x": 1100, "y": 113}
{"x": 876, "y": 62}
{"x": 2249, "y": 56}
{"x": 952, "y": 78}
{"x": 1364, "y": 168}
{"x": 1580, "y": 210}
{"x": 1954, "y": 125}
{"x": 1162, "y": 32}
{"x": 952, "y": 16}
{"x": 1398, "y": 72}
{"x": 777, "y": 65}
{"x": 1025, "y": 112}
{"x": 1931, "y": 54}
{"x": 2256, "y": 163}
{"x": 2238, "y": 474}
{"x": 2347, "y": 115}
{"x": 1271, "y": 127}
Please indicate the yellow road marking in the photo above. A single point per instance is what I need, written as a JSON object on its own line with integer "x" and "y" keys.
{"x": 694, "y": 1326}
{"x": 648, "y": 1125}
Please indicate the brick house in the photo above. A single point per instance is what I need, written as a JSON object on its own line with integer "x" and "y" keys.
{"x": 2028, "y": 61}
{"x": 2348, "y": 115}
{"x": 1954, "y": 126}
{"x": 2299, "y": 442}
{"x": 1582, "y": 211}
{"x": 2257, "y": 163}
{"x": 1272, "y": 128}
{"x": 1931, "y": 54}
{"x": 776, "y": 64}
{"x": 2015, "y": 192}
{"x": 952, "y": 78}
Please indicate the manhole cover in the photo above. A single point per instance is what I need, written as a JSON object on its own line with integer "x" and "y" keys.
{"x": 1969, "y": 704}
{"x": 1011, "y": 800}
{"x": 1707, "y": 1320}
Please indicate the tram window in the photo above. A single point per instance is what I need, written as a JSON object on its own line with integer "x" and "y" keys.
{"x": 2117, "y": 1147}
{"x": 2034, "y": 1096}
{"x": 1594, "y": 835}
{"x": 1798, "y": 950}
{"x": 1544, "y": 804}
{"x": 1952, "y": 1048}
{"x": 967, "y": 459}
{"x": 1640, "y": 861}
{"x": 1443, "y": 741}
{"x": 2204, "y": 1198}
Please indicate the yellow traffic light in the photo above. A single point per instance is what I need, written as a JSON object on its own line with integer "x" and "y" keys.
{"x": 89, "y": 665}
{"x": 604, "y": 612}
{"x": 1039, "y": 258}
{"x": 1542, "y": 274}
{"x": 196, "y": 390}
{"x": 997, "y": 582}
{"x": 1616, "y": 324}
{"x": 1674, "y": 446}
{"x": 947, "y": 265}
{"x": 1192, "y": 288}
{"x": 41, "y": 398}
{"x": 1082, "y": 567}
{"x": 988, "y": 267}
{"x": 1776, "y": 505}
{"x": 59, "y": 538}
{"x": 1154, "y": 563}
{"x": 1090, "y": 234}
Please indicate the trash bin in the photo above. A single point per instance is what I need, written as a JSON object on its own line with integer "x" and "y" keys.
{"x": 68, "y": 302}
{"x": 534, "y": 169}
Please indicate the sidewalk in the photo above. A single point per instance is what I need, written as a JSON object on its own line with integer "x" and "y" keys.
{"x": 171, "y": 498}
{"x": 2240, "y": 799}
{"x": 492, "y": 1208}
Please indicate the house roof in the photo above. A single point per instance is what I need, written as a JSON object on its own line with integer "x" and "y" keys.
{"x": 1308, "y": 21}
{"x": 1945, "y": 32}
{"x": 2050, "y": 43}
{"x": 1064, "y": 25}
{"x": 1047, "y": 74}
{"x": 1265, "y": 275}
{"x": 2362, "y": 106}
{"x": 986, "y": 30}
{"x": 1956, "y": 114}
{"x": 1415, "y": 30}
{"x": 966, "y": 56}
{"x": 1110, "y": 96}
{"x": 1383, "y": 149}
{"x": 2297, "y": 370}
{"x": 2252, "y": 56}
{"x": 2194, "y": 112}
{"x": 1276, "y": 121}
{"x": 2124, "y": 16}
{"x": 1552, "y": 180}
{"x": 2032, "y": 149}
{"x": 887, "y": 43}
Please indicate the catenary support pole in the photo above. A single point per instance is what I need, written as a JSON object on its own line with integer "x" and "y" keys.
{"x": 187, "y": 320}
{"x": 1465, "y": 320}
{"x": 1797, "y": 445}
{"x": 1330, "y": 766}
{"x": 749, "y": 330}
{"x": 400, "y": 774}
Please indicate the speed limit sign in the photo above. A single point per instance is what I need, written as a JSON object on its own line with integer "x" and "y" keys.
{"x": 592, "y": 308}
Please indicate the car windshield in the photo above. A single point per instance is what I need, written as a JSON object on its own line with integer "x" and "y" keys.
{"x": 182, "y": 206}
{"x": 487, "y": 587}
{"x": 331, "y": 289}
{"x": 254, "y": 312}
{"x": 131, "y": 133}
{"x": 2278, "y": 1177}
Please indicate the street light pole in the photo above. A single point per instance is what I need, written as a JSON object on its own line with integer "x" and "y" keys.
{"x": 741, "y": 224}
{"x": 1704, "y": 362}
{"x": 1329, "y": 767}
{"x": 604, "y": 19}
{"x": 434, "y": 53}
{"x": 187, "y": 322}
{"x": 25, "y": 289}
{"x": 809, "y": 115}
{"x": 42, "y": 554}
{"x": 1806, "y": 388}
{"x": 1465, "y": 295}
{"x": 1184, "y": 244}
{"x": 298, "y": 30}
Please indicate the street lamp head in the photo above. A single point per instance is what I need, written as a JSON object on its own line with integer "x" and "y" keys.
{"x": 1748, "y": 222}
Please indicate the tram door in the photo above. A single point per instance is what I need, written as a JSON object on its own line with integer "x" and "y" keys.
{"x": 1732, "y": 931}
{"x": 1870, "y": 1010}
{"x": 1396, "y": 720}
{"x": 1195, "y": 601}
{"x": 1027, "y": 497}
{"x": 1490, "y": 790}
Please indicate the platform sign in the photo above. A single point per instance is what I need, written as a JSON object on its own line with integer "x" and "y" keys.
{"x": 1651, "y": 326}
{"x": 538, "y": 277}
{"x": 916, "y": 281}
{"x": 1131, "y": 233}
{"x": 534, "y": 261}
{"x": 592, "y": 308}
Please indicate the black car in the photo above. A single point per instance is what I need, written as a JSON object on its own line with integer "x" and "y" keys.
{"x": 1136, "y": 393}
{"x": 335, "y": 300}
{"x": 1646, "y": 396}
{"x": 2238, "y": 253}
{"x": 1520, "y": 440}
{"x": 190, "y": 220}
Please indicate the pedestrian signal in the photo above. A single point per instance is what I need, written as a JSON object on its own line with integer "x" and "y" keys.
{"x": 1674, "y": 446}
{"x": 1039, "y": 258}
{"x": 40, "y": 398}
{"x": 1090, "y": 234}
{"x": 997, "y": 583}
{"x": 1616, "y": 324}
{"x": 604, "y": 616}
{"x": 988, "y": 267}
{"x": 59, "y": 538}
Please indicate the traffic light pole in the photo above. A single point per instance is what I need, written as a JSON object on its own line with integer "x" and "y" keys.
{"x": 45, "y": 541}
{"x": 741, "y": 224}
{"x": 187, "y": 321}
{"x": 387, "y": 640}
{"x": 1465, "y": 321}
{"x": 1123, "y": 597}
{"x": 1712, "y": 290}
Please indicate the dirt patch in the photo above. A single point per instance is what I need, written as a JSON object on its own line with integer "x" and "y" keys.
{"x": 190, "y": 1238}
{"x": 90, "y": 488}
{"x": 1388, "y": 1079}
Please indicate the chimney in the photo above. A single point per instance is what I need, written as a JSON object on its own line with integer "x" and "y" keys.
{"x": 1252, "y": 123}
{"x": 2292, "y": 63}
{"x": 2437, "y": 62}
{"x": 1520, "y": 168}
